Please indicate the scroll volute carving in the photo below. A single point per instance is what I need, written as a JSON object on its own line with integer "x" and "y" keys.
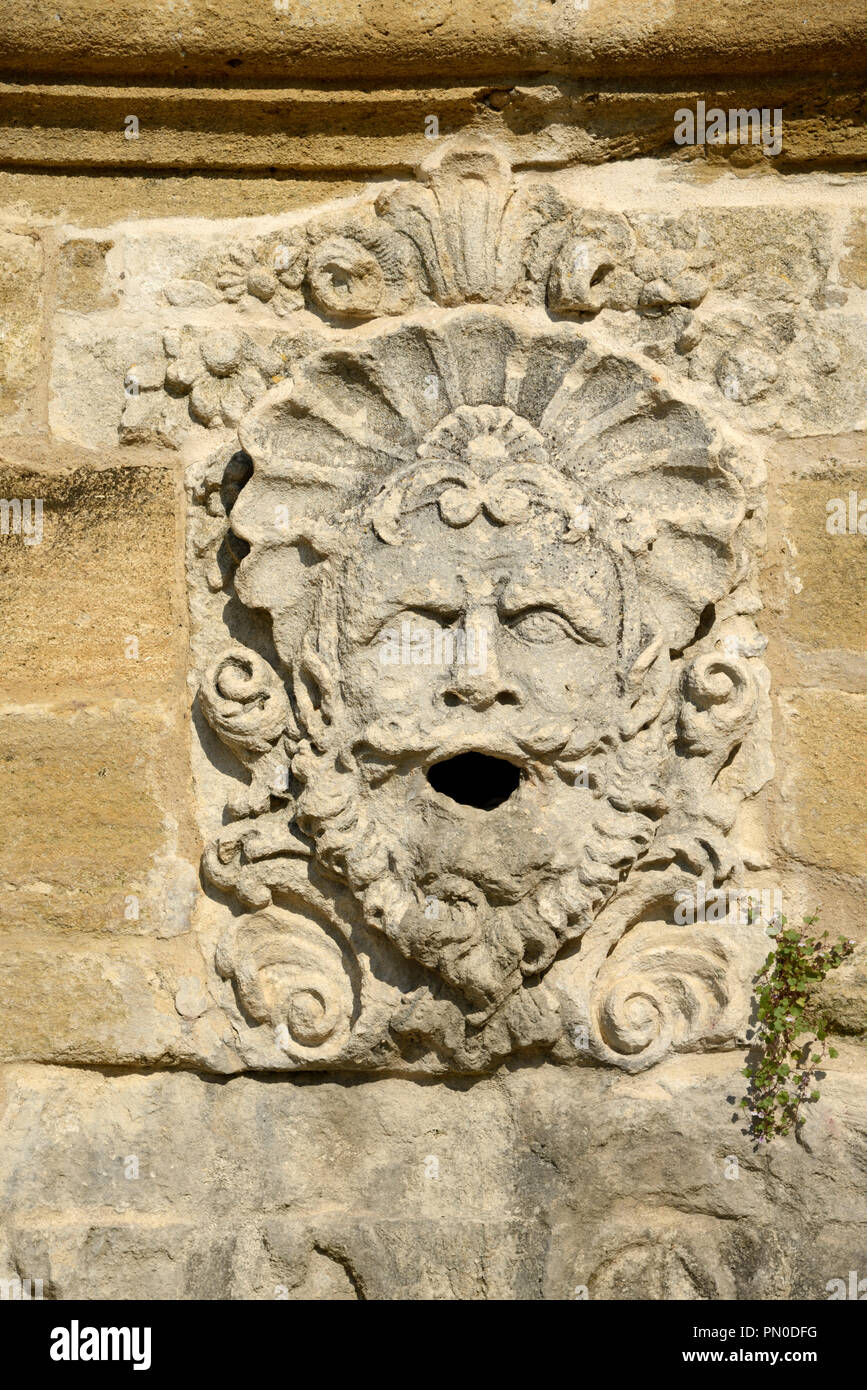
{"x": 292, "y": 976}
{"x": 245, "y": 703}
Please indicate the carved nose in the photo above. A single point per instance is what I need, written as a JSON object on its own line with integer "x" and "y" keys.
{"x": 480, "y": 695}
{"x": 481, "y": 686}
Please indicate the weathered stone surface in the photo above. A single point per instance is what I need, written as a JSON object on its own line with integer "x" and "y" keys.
{"x": 823, "y": 737}
{"x": 56, "y": 198}
{"x": 69, "y": 997}
{"x": 21, "y": 370}
{"x": 540, "y": 120}
{"x": 96, "y": 833}
{"x": 481, "y": 393}
{"x": 526, "y": 1186}
{"x": 843, "y": 995}
{"x": 385, "y": 39}
{"x": 825, "y": 556}
{"x": 93, "y": 602}
{"x": 81, "y": 274}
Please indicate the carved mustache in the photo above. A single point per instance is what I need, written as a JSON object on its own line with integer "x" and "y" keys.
{"x": 546, "y": 741}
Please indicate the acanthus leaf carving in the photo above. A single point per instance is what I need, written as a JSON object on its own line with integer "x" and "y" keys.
{"x": 465, "y": 231}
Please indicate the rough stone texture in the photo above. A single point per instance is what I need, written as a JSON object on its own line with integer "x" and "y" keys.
{"x": 279, "y": 1018}
{"x": 95, "y": 573}
{"x": 829, "y": 567}
{"x": 104, "y": 783}
{"x": 502, "y": 1189}
{"x": 826, "y": 737}
{"x": 20, "y": 327}
{"x": 540, "y": 121}
{"x": 386, "y": 40}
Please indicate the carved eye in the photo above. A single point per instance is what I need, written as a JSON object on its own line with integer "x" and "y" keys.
{"x": 411, "y": 630}
{"x": 429, "y": 617}
{"x": 543, "y": 625}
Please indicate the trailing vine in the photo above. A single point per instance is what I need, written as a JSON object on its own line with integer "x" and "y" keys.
{"x": 791, "y": 1039}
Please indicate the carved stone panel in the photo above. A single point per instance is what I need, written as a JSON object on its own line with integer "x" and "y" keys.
{"x": 475, "y": 617}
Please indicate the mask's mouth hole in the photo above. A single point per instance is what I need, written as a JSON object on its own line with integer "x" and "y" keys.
{"x": 475, "y": 779}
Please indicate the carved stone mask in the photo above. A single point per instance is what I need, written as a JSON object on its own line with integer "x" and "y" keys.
{"x": 472, "y": 633}
{"x": 496, "y": 730}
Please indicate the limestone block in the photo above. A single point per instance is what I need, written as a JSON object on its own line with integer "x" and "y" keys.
{"x": 89, "y": 603}
{"x": 51, "y": 197}
{"x": 96, "y": 813}
{"x": 126, "y": 1259}
{"x": 823, "y": 755}
{"x": 843, "y": 995}
{"x": 95, "y": 373}
{"x": 747, "y": 305}
{"x": 824, "y": 556}
{"x": 22, "y": 364}
{"x": 68, "y": 997}
{"x": 406, "y": 1191}
{"x": 287, "y": 129}
{"x": 406, "y": 39}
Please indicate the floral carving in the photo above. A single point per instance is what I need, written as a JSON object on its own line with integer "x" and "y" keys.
{"x": 210, "y": 379}
{"x": 271, "y": 274}
{"x": 222, "y": 374}
{"x": 464, "y": 232}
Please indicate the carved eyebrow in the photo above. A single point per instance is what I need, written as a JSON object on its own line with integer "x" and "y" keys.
{"x": 577, "y": 606}
{"x": 424, "y": 599}
{"x": 412, "y": 597}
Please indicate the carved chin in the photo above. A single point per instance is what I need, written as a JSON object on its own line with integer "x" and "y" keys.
{"x": 504, "y": 828}
{"x": 487, "y": 898}
{"x": 478, "y": 952}
{"x": 482, "y": 895}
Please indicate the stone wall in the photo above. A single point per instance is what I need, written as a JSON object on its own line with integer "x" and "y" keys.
{"x": 190, "y": 212}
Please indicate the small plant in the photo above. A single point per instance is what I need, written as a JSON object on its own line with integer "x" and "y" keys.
{"x": 790, "y": 1037}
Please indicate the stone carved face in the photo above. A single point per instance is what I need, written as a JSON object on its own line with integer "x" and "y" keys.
{"x": 480, "y": 674}
{"x": 540, "y": 623}
{"x": 506, "y": 722}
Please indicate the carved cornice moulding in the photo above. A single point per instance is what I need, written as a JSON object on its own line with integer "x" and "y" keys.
{"x": 399, "y": 39}
{"x": 542, "y": 121}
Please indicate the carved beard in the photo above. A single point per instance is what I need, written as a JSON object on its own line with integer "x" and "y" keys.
{"x": 481, "y": 923}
